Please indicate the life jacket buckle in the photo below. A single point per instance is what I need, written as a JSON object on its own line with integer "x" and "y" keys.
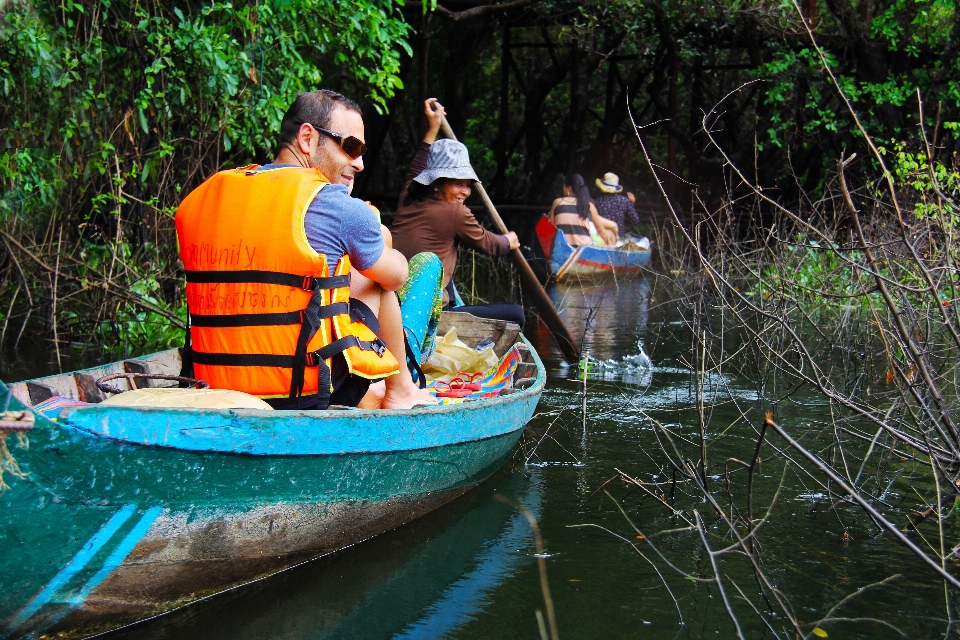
{"x": 379, "y": 346}
{"x": 312, "y": 359}
{"x": 307, "y": 283}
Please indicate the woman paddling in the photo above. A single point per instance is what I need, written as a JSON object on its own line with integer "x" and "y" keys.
{"x": 572, "y": 213}
{"x": 431, "y": 216}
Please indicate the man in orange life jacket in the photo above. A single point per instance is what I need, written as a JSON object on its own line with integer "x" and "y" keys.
{"x": 256, "y": 330}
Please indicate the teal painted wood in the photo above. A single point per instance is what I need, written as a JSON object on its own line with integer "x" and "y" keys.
{"x": 291, "y": 433}
{"x": 129, "y": 513}
{"x": 427, "y": 580}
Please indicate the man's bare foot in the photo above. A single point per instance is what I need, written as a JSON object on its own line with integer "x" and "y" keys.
{"x": 406, "y": 396}
{"x": 373, "y": 399}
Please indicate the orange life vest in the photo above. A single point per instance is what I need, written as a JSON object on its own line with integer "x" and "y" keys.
{"x": 266, "y": 314}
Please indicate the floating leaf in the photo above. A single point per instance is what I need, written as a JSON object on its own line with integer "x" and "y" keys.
{"x": 820, "y": 633}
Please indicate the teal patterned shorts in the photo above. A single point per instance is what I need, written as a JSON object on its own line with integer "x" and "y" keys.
{"x": 421, "y": 302}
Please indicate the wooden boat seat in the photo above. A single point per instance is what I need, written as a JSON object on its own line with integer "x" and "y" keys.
{"x": 82, "y": 385}
{"x": 187, "y": 398}
{"x": 473, "y": 330}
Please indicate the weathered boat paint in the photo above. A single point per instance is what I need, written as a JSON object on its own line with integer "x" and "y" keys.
{"x": 587, "y": 261}
{"x": 426, "y": 580}
{"x": 130, "y": 514}
{"x": 289, "y": 433}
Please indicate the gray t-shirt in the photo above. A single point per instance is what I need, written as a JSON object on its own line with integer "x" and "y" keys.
{"x": 338, "y": 224}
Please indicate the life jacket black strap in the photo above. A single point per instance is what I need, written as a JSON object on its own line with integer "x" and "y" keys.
{"x": 313, "y": 359}
{"x": 288, "y": 362}
{"x": 309, "y": 320}
{"x": 307, "y": 283}
{"x": 344, "y": 343}
{"x": 416, "y": 371}
{"x": 360, "y": 312}
{"x": 243, "y": 360}
{"x": 266, "y": 319}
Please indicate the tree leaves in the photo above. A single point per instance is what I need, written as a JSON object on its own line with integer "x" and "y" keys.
{"x": 112, "y": 110}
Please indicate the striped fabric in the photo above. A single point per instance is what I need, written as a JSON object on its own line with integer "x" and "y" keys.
{"x": 493, "y": 382}
{"x": 50, "y": 408}
{"x": 575, "y": 229}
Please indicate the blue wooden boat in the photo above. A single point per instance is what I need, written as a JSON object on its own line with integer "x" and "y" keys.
{"x": 124, "y": 513}
{"x": 588, "y": 261}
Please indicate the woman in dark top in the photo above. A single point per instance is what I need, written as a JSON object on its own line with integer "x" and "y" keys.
{"x": 431, "y": 216}
{"x": 571, "y": 213}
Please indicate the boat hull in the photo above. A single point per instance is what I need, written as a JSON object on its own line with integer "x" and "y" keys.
{"x": 588, "y": 261}
{"x": 178, "y": 555}
{"x": 117, "y": 520}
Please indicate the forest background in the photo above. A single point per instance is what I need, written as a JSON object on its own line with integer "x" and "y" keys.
{"x": 113, "y": 110}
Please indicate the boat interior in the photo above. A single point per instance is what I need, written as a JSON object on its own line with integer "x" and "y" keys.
{"x": 149, "y": 371}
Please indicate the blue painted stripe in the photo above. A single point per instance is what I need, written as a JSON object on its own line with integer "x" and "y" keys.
{"x": 86, "y": 553}
{"x": 118, "y": 556}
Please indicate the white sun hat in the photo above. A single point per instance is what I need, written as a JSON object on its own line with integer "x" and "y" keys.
{"x": 447, "y": 159}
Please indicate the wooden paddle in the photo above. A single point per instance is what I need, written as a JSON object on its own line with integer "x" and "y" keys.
{"x": 548, "y": 312}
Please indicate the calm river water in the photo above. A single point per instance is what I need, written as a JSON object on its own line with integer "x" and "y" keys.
{"x": 469, "y": 570}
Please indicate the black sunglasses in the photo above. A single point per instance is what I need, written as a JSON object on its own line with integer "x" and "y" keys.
{"x": 353, "y": 147}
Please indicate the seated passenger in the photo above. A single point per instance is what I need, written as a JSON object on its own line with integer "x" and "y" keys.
{"x": 613, "y": 204}
{"x": 572, "y": 213}
{"x": 431, "y": 216}
{"x": 268, "y": 252}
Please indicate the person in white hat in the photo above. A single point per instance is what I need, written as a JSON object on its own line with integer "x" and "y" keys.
{"x": 612, "y": 204}
{"x": 431, "y": 216}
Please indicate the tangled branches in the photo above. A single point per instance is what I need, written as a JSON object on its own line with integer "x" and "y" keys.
{"x": 842, "y": 310}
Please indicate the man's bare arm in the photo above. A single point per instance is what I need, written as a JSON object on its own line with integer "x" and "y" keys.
{"x": 390, "y": 271}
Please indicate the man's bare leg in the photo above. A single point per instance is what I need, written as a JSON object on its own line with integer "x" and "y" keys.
{"x": 401, "y": 392}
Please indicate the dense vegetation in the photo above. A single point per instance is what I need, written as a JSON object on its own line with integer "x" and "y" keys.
{"x": 112, "y": 110}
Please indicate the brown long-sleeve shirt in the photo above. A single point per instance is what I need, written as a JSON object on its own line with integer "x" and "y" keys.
{"x": 439, "y": 227}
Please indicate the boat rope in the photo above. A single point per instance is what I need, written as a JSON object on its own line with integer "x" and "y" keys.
{"x": 18, "y": 422}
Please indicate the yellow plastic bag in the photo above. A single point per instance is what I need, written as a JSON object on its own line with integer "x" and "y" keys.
{"x": 453, "y": 356}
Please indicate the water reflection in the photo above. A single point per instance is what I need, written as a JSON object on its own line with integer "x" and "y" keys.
{"x": 604, "y": 318}
{"x": 424, "y": 580}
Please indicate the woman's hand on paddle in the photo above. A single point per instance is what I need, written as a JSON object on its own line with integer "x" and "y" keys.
{"x": 512, "y": 237}
{"x": 433, "y": 119}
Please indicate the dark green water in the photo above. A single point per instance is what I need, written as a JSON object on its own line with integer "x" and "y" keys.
{"x": 469, "y": 570}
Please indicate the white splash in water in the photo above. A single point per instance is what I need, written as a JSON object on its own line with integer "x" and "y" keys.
{"x": 636, "y": 368}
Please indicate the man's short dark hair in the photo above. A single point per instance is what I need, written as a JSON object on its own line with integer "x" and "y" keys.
{"x": 314, "y": 107}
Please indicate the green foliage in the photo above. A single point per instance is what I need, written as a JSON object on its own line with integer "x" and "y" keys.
{"x": 913, "y": 175}
{"x": 111, "y": 109}
{"x": 811, "y": 275}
